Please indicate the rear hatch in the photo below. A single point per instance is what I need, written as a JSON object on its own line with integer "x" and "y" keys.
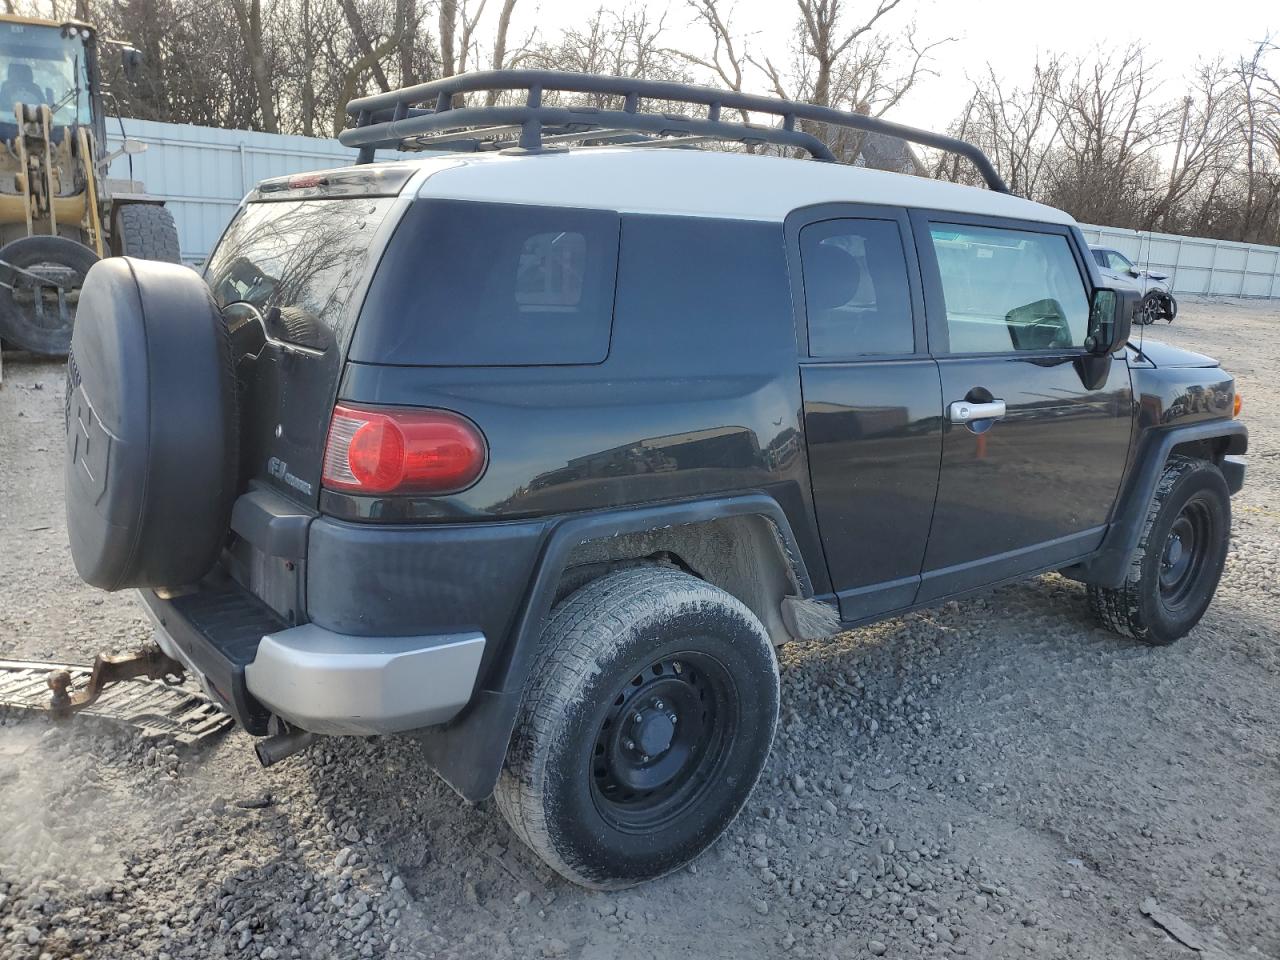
{"x": 289, "y": 274}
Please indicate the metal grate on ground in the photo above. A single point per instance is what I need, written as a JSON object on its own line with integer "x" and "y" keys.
{"x": 156, "y": 708}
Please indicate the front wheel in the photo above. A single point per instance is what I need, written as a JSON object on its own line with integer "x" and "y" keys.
{"x": 646, "y": 723}
{"x": 1151, "y": 309}
{"x": 1179, "y": 558}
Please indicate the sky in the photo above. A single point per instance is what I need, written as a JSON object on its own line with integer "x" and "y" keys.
{"x": 1008, "y": 33}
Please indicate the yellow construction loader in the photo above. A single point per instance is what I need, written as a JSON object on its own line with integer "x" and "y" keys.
{"x": 59, "y": 213}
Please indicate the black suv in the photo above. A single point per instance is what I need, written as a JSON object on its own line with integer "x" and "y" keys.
{"x": 538, "y": 452}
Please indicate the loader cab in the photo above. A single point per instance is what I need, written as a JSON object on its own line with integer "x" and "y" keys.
{"x": 43, "y": 63}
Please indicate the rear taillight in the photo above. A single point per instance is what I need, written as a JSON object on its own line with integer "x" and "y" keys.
{"x": 401, "y": 450}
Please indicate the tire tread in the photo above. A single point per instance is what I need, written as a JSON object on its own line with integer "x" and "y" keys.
{"x": 575, "y": 640}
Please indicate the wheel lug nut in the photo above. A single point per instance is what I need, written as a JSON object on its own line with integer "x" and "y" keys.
{"x": 657, "y": 704}
{"x": 645, "y": 758}
{"x": 630, "y": 744}
{"x": 672, "y": 718}
{"x": 637, "y": 718}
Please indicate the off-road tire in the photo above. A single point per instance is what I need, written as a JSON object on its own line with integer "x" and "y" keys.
{"x": 597, "y": 642}
{"x": 1141, "y": 608}
{"x": 146, "y": 231}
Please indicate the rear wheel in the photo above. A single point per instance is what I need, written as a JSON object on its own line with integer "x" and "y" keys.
{"x": 1178, "y": 561}
{"x": 146, "y": 231}
{"x": 646, "y": 723}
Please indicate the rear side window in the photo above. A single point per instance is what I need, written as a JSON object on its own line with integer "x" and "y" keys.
{"x": 857, "y": 298}
{"x": 1009, "y": 290}
{"x": 484, "y": 284}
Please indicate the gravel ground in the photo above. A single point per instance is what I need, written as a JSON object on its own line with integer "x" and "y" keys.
{"x": 995, "y": 778}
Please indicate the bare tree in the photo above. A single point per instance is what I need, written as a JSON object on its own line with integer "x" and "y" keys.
{"x": 1016, "y": 127}
{"x": 356, "y": 25}
{"x": 1207, "y": 128}
{"x": 368, "y": 61}
{"x": 249, "y": 17}
{"x": 629, "y": 43}
{"x": 500, "y": 44}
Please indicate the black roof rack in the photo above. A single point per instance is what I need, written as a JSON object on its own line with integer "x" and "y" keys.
{"x": 398, "y": 119}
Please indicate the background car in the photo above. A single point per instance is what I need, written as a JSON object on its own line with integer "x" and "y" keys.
{"x": 1158, "y": 302}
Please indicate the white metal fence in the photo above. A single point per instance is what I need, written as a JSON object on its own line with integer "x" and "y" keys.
{"x": 203, "y": 172}
{"x": 1197, "y": 266}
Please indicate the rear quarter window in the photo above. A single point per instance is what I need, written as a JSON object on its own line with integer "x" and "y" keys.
{"x": 483, "y": 284}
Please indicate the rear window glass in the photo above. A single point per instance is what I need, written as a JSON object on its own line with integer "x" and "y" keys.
{"x": 304, "y": 258}
{"x": 483, "y": 284}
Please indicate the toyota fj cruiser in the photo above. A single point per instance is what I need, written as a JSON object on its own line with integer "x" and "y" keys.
{"x": 537, "y": 452}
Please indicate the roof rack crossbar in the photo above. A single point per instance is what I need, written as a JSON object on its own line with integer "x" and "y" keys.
{"x": 386, "y": 120}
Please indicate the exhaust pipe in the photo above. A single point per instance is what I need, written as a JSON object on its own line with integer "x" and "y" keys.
{"x": 272, "y": 750}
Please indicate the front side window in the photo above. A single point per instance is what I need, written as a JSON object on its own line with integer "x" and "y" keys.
{"x": 1009, "y": 290}
{"x": 1119, "y": 262}
{"x": 857, "y": 297}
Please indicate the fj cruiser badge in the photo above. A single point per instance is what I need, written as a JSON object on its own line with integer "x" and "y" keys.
{"x": 280, "y": 470}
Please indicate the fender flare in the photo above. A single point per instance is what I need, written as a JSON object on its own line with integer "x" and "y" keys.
{"x": 469, "y": 751}
{"x": 1110, "y": 564}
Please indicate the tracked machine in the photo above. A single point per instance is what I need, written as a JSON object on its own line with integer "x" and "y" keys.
{"x": 59, "y": 212}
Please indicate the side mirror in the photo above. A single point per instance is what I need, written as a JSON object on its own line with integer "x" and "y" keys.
{"x": 1110, "y": 318}
{"x": 130, "y": 60}
{"x": 130, "y": 147}
{"x": 1133, "y": 272}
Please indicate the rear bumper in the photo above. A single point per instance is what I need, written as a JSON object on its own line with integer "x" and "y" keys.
{"x": 328, "y": 682}
{"x": 317, "y": 679}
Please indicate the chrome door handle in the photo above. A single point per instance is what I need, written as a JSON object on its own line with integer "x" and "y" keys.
{"x": 962, "y": 411}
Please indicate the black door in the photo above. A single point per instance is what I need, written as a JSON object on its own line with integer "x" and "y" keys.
{"x": 871, "y": 400}
{"x": 1035, "y": 431}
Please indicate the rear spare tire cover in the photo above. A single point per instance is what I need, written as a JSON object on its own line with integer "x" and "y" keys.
{"x": 151, "y": 427}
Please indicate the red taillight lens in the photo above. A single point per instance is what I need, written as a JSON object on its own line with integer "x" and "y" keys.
{"x": 401, "y": 451}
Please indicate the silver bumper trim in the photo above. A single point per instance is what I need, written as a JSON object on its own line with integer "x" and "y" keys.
{"x": 332, "y": 683}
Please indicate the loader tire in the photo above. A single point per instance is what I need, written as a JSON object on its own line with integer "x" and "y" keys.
{"x": 146, "y": 231}
{"x": 45, "y": 331}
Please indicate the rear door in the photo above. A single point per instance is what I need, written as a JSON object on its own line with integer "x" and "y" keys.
{"x": 1035, "y": 431}
{"x": 871, "y": 399}
{"x": 289, "y": 274}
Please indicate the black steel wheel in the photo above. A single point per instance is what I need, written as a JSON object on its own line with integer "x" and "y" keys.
{"x": 644, "y": 727}
{"x": 1186, "y": 549}
{"x": 1179, "y": 559}
{"x": 662, "y": 742}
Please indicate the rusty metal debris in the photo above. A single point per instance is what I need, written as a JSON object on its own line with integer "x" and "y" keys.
{"x": 130, "y": 690}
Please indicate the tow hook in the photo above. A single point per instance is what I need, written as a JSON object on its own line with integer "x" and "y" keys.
{"x": 150, "y": 662}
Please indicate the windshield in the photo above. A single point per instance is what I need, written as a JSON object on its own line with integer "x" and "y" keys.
{"x": 38, "y": 65}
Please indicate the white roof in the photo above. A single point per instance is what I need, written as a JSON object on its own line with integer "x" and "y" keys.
{"x": 700, "y": 183}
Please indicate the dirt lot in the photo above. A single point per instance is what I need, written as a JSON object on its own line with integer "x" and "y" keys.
{"x": 998, "y": 778}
